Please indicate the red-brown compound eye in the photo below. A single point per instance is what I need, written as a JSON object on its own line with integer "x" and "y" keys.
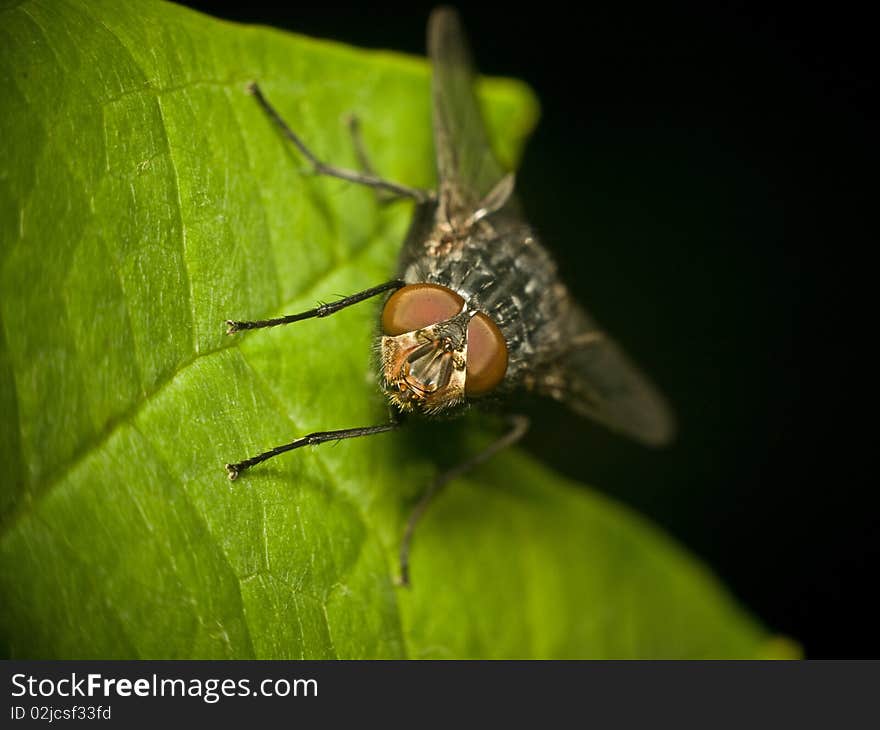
{"x": 416, "y": 306}
{"x": 486, "y": 356}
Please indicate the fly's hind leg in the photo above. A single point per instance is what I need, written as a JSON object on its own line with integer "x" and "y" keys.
{"x": 518, "y": 427}
{"x": 323, "y": 168}
{"x": 363, "y": 157}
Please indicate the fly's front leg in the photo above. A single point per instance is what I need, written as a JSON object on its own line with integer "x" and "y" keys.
{"x": 313, "y": 439}
{"x": 518, "y": 427}
{"x": 322, "y": 310}
{"x": 323, "y": 168}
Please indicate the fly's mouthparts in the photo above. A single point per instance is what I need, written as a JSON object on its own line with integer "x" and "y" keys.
{"x": 428, "y": 367}
{"x": 424, "y": 370}
{"x": 429, "y": 370}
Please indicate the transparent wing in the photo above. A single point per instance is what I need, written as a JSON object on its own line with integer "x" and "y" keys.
{"x": 595, "y": 378}
{"x": 592, "y": 376}
{"x": 466, "y": 165}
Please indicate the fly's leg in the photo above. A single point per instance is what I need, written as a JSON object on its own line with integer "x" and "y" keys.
{"x": 322, "y": 168}
{"x": 360, "y": 150}
{"x": 323, "y": 310}
{"x": 312, "y": 439}
{"x": 518, "y": 427}
{"x": 354, "y": 129}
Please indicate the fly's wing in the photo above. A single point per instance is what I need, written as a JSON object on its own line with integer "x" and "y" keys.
{"x": 466, "y": 166}
{"x": 592, "y": 375}
{"x": 595, "y": 378}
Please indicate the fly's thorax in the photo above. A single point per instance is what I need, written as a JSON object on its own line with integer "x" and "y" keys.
{"x": 437, "y": 350}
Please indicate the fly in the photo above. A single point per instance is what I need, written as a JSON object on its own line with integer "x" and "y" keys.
{"x": 477, "y": 310}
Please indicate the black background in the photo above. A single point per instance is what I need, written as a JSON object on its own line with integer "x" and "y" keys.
{"x": 702, "y": 175}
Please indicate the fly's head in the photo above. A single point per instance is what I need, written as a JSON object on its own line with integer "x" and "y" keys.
{"x": 436, "y": 353}
{"x": 426, "y": 369}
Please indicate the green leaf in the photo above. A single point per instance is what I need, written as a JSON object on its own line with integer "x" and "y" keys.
{"x": 144, "y": 199}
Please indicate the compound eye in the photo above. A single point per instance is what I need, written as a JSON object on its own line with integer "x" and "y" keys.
{"x": 486, "y": 356}
{"x": 416, "y": 306}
